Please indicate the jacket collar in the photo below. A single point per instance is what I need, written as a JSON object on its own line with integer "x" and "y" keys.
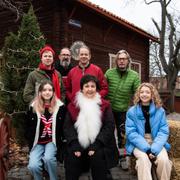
{"x": 152, "y": 110}
{"x": 122, "y": 73}
{"x": 74, "y": 110}
{"x": 82, "y": 67}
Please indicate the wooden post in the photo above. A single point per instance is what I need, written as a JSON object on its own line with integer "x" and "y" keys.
{"x": 4, "y": 146}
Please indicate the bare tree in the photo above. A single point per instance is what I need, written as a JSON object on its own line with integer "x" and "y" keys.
{"x": 14, "y": 6}
{"x": 155, "y": 63}
{"x": 170, "y": 63}
{"x": 156, "y": 69}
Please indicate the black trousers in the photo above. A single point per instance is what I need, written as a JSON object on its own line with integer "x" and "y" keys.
{"x": 75, "y": 166}
{"x": 120, "y": 118}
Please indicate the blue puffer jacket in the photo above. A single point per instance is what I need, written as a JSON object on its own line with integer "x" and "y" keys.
{"x": 135, "y": 130}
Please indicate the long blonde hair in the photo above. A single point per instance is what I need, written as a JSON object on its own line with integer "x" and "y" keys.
{"x": 154, "y": 94}
{"x": 39, "y": 104}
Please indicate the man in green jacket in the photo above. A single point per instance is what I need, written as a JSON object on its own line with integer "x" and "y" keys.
{"x": 122, "y": 83}
{"x": 45, "y": 71}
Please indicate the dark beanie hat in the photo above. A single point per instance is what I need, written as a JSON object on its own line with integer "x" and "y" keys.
{"x": 46, "y": 48}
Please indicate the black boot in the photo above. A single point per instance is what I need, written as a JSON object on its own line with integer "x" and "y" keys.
{"x": 109, "y": 175}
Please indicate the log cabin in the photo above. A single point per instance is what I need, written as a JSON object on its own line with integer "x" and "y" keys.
{"x": 64, "y": 22}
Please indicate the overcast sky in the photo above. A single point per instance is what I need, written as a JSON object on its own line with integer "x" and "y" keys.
{"x": 137, "y": 12}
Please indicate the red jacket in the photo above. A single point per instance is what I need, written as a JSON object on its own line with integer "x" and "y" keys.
{"x": 75, "y": 75}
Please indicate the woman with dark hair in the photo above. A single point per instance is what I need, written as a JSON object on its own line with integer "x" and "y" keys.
{"x": 89, "y": 130}
{"x": 44, "y": 122}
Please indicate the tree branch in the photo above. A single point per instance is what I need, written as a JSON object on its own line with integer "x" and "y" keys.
{"x": 157, "y": 26}
{"x": 151, "y": 2}
{"x": 171, "y": 34}
{"x": 176, "y": 55}
{"x": 15, "y": 7}
{"x": 176, "y": 52}
{"x": 168, "y": 3}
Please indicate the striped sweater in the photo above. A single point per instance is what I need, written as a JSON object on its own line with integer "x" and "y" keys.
{"x": 121, "y": 88}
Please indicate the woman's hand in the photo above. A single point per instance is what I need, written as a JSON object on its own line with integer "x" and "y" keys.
{"x": 77, "y": 153}
{"x": 91, "y": 153}
{"x": 152, "y": 157}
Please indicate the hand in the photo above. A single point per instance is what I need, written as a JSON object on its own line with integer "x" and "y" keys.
{"x": 77, "y": 153}
{"x": 91, "y": 153}
{"x": 152, "y": 157}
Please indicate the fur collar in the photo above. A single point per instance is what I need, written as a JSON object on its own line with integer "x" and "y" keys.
{"x": 88, "y": 123}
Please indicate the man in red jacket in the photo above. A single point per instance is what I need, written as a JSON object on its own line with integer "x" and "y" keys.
{"x": 84, "y": 67}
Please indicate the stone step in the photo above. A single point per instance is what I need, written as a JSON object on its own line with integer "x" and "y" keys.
{"x": 22, "y": 173}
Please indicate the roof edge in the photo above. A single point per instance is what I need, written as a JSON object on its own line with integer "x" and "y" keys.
{"x": 118, "y": 19}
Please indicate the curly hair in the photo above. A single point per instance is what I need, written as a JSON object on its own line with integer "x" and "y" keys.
{"x": 154, "y": 93}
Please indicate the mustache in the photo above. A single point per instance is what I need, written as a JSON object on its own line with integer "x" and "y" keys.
{"x": 65, "y": 59}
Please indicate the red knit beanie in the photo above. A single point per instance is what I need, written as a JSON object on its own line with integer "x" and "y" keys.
{"x": 46, "y": 48}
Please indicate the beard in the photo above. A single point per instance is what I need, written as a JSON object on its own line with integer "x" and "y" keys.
{"x": 122, "y": 69}
{"x": 65, "y": 63}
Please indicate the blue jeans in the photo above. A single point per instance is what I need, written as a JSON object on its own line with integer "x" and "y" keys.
{"x": 46, "y": 154}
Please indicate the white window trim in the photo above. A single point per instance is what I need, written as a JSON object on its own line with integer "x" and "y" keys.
{"x": 137, "y": 63}
{"x": 111, "y": 56}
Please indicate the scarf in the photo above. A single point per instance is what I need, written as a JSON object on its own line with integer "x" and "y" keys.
{"x": 47, "y": 126}
{"x": 54, "y": 77}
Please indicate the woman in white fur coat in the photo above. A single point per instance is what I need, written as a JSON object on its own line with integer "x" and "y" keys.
{"x": 89, "y": 130}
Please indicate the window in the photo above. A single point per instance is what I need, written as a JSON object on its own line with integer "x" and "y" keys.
{"x": 112, "y": 62}
{"x": 136, "y": 66}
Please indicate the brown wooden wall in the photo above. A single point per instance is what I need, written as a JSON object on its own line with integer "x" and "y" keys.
{"x": 104, "y": 37}
{"x": 100, "y": 33}
{"x": 177, "y": 104}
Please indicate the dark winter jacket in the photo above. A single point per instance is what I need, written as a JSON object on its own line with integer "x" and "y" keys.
{"x": 34, "y": 80}
{"x": 63, "y": 71}
{"x": 32, "y": 125}
{"x": 105, "y": 138}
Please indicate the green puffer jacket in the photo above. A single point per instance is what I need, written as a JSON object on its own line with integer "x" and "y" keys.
{"x": 121, "y": 88}
{"x": 32, "y": 84}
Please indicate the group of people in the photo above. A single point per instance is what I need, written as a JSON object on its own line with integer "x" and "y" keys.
{"x": 82, "y": 107}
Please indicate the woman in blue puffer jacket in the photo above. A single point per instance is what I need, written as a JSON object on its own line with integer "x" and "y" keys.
{"x": 147, "y": 133}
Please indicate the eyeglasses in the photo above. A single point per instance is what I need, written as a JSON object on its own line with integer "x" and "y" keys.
{"x": 65, "y": 55}
{"x": 122, "y": 59}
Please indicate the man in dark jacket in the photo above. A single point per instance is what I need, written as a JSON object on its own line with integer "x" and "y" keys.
{"x": 63, "y": 64}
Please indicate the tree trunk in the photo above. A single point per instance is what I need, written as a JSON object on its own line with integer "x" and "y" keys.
{"x": 171, "y": 88}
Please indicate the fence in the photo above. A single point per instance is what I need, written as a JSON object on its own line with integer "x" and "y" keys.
{"x": 4, "y": 145}
{"x": 165, "y": 96}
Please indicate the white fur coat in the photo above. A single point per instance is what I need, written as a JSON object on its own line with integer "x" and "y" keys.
{"x": 89, "y": 121}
